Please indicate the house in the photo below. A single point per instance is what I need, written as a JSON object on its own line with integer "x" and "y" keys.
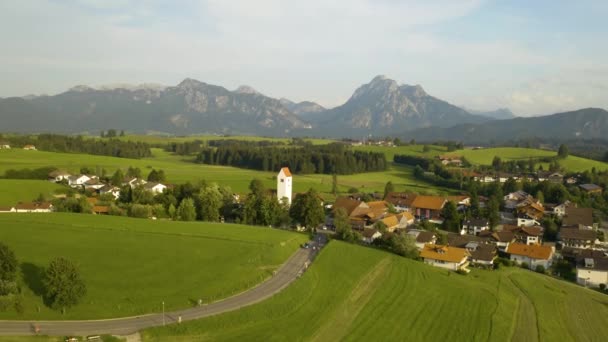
{"x": 591, "y": 188}
{"x": 284, "y": 184}
{"x": 578, "y": 238}
{"x": 429, "y": 208}
{"x": 377, "y": 210}
{"x": 58, "y": 176}
{"x": 475, "y": 226}
{"x": 391, "y": 222}
{"x": 556, "y": 178}
{"x": 78, "y": 180}
{"x": 422, "y": 237}
{"x": 451, "y": 258}
{"x": 5, "y": 146}
{"x": 352, "y": 207}
{"x": 7, "y": 210}
{"x": 453, "y": 160}
{"x": 571, "y": 180}
{"x": 513, "y": 199}
{"x": 109, "y": 189}
{"x": 44, "y": 207}
{"x": 579, "y": 216}
{"x": 533, "y": 255}
{"x": 481, "y": 254}
{"x": 503, "y": 239}
{"x": 405, "y": 219}
{"x": 533, "y": 210}
{"x": 526, "y": 235}
{"x": 93, "y": 184}
{"x": 155, "y": 188}
{"x": 101, "y": 210}
{"x": 401, "y": 201}
{"x": 29, "y": 147}
{"x": 592, "y": 271}
{"x": 134, "y": 182}
{"x": 526, "y": 222}
{"x": 560, "y": 209}
{"x": 369, "y": 235}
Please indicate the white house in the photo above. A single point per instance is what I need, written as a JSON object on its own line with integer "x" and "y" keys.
{"x": 284, "y": 184}
{"x": 156, "y": 188}
{"x": 560, "y": 209}
{"x": 109, "y": 189}
{"x": 5, "y": 147}
{"x": 533, "y": 255}
{"x": 7, "y": 210}
{"x": 369, "y": 235}
{"x": 94, "y": 184}
{"x": 134, "y": 182}
{"x": 526, "y": 222}
{"x": 78, "y": 180}
{"x": 451, "y": 258}
{"x": 592, "y": 271}
{"x": 474, "y": 226}
{"x": 422, "y": 237}
{"x": 29, "y": 147}
{"x": 45, "y": 207}
{"x": 58, "y": 176}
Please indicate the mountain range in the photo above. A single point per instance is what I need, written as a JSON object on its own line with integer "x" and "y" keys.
{"x": 379, "y": 108}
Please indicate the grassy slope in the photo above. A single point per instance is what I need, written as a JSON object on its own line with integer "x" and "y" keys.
{"x": 179, "y": 170}
{"x": 354, "y": 293}
{"x": 24, "y": 190}
{"x": 131, "y": 265}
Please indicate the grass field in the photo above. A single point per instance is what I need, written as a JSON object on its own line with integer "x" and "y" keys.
{"x": 154, "y": 139}
{"x": 131, "y": 265}
{"x": 360, "y": 294}
{"x": 24, "y": 190}
{"x": 181, "y": 170}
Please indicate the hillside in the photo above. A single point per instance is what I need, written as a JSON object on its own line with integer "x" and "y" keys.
{"x": 131, "y": 265}
{"x": 190, "y": 107}
{"x": 580, "y": 124}
{"x": 361, "y": 294}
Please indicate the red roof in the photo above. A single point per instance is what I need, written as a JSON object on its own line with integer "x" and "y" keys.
{"x": 286, "y": 171}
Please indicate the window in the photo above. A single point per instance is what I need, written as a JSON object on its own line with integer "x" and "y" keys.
{"x": 282, "y": 180}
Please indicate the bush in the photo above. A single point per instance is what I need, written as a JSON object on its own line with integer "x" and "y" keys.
{"x": 524, "y": 265}
{"x": 540, "y": 269}
{"x": 603, "y": 287}
{"x": 140, "y": 210}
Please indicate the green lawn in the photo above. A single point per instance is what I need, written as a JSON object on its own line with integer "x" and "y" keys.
{"x": 130, "y": 265}
{"x": 13, "y": 191}
{"x": 354, "y": 293}
{"x": 156, "y": 139}
{"x": 180, "y": 169}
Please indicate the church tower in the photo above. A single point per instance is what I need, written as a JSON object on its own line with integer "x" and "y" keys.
{"x": 284, "y": 185}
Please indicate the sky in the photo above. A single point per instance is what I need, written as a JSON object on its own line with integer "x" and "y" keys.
{"x": 533, "y": 57}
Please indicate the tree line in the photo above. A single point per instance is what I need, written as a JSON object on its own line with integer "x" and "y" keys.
{"x": 326, "y": 159}
{"x": 78, "y": 144}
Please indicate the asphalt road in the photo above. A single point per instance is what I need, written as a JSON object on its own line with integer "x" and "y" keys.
{"x": 284, "y": 276}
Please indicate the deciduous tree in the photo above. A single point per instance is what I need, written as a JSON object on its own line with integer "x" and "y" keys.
{"x": 63, "y": 284}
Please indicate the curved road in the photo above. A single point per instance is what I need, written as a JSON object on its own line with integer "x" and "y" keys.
{"x": 284, "y": 276}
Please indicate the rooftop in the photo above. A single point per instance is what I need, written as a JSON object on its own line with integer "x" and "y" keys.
{"x": 531, "y": 251}
{"x": 444, "y": 253}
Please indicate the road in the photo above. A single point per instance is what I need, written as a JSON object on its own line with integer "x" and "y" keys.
{"x": 284, "y": 276}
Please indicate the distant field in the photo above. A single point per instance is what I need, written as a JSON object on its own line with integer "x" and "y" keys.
{"x": 180, "y": 170}
{"x": 374, "y": 296}
{"x": 24, "y": 190}
{"x": 131, "y": 265}
{"x": 152, "y": 139}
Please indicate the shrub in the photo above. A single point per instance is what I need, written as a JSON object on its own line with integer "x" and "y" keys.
{"x": 524, "y": 265}
{"x": 540, "y": 269}
{"x": 603, "y": 287}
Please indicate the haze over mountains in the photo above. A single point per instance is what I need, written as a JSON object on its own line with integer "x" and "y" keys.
{"x": 379, "y": 108}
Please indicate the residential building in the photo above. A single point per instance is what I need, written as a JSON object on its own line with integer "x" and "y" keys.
{"x": 556, "y": 178}
{"x": 78, "y": 180}
{"x": 503, "y": 239}
{"x": 9, "y": 209}
{"x": 369, "y": 235}
{"x": 109, "y": 189}
{"x": 422, "y": 237}
{"x": 284, "y": 185}
{"x": 578, "y": 238}
{"x": 429, "y": 208}
{"x": 401, "y": 201}
{"x": 474, "y": 226}
{"x": 527, "y": 235}
{"x": 155, "y": 188}
{"x": 5, "y": 146}
{"x": 29, "y": 147}
{"x": 578, "y": 217}
{"x": 591, "y": 188}
{"x": 592, "y": 270}
{"x": 451, "y": 258}
{"x": 58, "y": 176}
{"x": 482, "y": 254}
{"x": 134, "y": 182}
{"x": 44, "y": 207}
{"x": 533, "y": 255}
{"x": 560, "y": 209}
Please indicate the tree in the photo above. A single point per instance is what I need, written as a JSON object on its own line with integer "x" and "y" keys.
{"x": 210, "y": 203}
{"x": 156, "y": 176}
{"x": 186, "y": 210}
{"x": 540, "y": 196}
{"x": 474, "y": 209}
{"x": 510, "y": 186}
{"x": 497, "y": 163}
{"x": 563, "y": 151}
{"x": 344, "y": 230}
{"x": 426, "y": 148}
{"x": 122, "y": 133}
{"x": 381, "y": 226}
{"x": 117, "y": 178}
{"x": 334, "y": 184}
{"x": 492, "y": 212}
{"x": 451, "y": 217}
{"x": 307, "y": 209}
{"x": 62, "y": 284}
{"x": 8, "y": 264}
{"x": 388, "y": 188}
{"x": 257, "y": 187}
{"x": 404, "y": 245}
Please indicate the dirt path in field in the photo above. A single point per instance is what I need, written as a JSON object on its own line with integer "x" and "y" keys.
{"x": 338, "y": 324}
{"x": 526, "y": 325}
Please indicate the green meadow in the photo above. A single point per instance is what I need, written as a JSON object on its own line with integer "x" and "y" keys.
{"x": 13, "y": 191}
{"x": 130, "y": 266}
{"x": 181, "y": 169}
{"x": 361, "y": 294}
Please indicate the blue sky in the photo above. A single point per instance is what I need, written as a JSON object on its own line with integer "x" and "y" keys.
{"x": 534, "y": 57}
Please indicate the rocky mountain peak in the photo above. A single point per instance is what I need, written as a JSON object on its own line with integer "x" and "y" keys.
{"x": 245, "y": 89}
{"x": 413, "y": 91}
{"x": 189, "y": 83}
{"x": 81, "y": 88}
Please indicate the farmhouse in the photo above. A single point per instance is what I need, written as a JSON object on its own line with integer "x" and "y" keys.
{"x": 578, "y": 217}
{"x": 592, "y": 271}
{"x": 475, "y": 226}
{"x": 59, "y": 175}
{"x": 452, "y": 258}
{"x": 401, "y": 201}
{"x": 44, "y": 207}
{"x": 29, "y": 147}
{"x": 155, "y": 188}
{"x": 578, "y": 238}
{"x": 78, "y": 180}
{"x": 284, "y": 184}
{"x": 93, "y": 184}
{"x": 7, "y": 210}
{"x": 481, "y": 254}
{"x": 422, "y": 237}
{"x": 591, "y": 188}
{"x": 429, "y": 208}
{"x": 533, "y": 255}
